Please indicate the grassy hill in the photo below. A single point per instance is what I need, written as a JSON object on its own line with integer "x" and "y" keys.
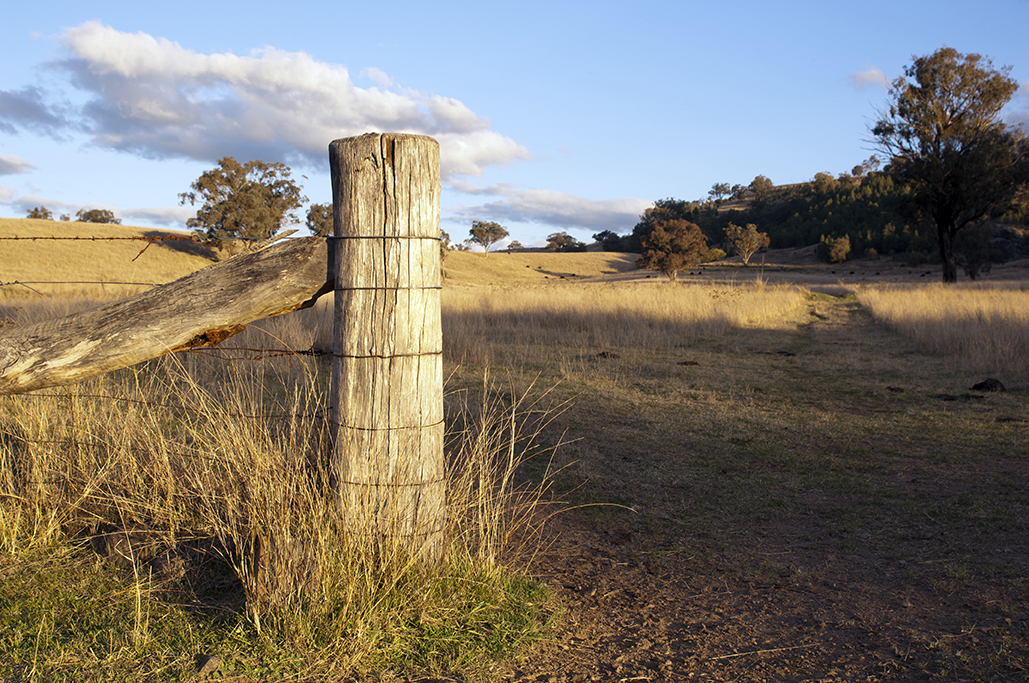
{"x": 106, "y": 261}
{"x": 535, "y": 267}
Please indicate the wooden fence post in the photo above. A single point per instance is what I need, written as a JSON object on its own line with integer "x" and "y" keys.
{"x": 386, "y": 411}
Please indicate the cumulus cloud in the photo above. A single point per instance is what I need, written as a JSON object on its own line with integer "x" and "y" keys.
{"x": 152, "y": 97}
{"x": 871, "y": 78}
{"x": 11, "y": 165}
{"x": 550, "y": 207}
{"x": 378, "y": 77}
{"x": 28, "y": 109}
{"x": 26, "y": 202}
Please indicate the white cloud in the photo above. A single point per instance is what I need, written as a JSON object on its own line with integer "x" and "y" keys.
{"x": 152, "y": 97}
{"x": 550, "y": 207}
{"x": 11, "y": 165}
{"x": 378, "y": 77}
{"x": 162, "y": 215}
{"x": 174, "y": 216}
{"x": 870, "y": 78}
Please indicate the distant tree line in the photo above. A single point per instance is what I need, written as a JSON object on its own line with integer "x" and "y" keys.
{"x": 954, "y": 190}
{"x": 83, "y": 216}
{"x": 847, "y": 215}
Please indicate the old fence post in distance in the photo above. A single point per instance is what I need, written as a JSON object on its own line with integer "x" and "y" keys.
{"x": 386, "y": 411}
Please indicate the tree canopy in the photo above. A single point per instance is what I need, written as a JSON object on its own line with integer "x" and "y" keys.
{"x": 746, "y": 241}
{"x": 41, "y": 213}
{"x": 761, "y": 186}
{"x": 251, "y": 200}
{"x": 486, "y": 234}
{"x": 671, "y": 246}
{"x": 562, "y": 241}
{"x": 942, "y": 131}
{"x": 97, "y": 216}
{"x": 319, "y": 219}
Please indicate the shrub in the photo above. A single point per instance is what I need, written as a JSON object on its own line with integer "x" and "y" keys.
{"x": 834, "y": 250}
{"x": 916, "y": 258}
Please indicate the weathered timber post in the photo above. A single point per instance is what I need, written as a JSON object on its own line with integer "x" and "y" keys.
{"x": 386, "y": 412}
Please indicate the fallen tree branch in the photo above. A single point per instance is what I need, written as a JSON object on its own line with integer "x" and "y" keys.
{"x": 200, "y": 309}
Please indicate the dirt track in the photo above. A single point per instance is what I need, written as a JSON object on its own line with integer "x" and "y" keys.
{"x": 873, "y": 552}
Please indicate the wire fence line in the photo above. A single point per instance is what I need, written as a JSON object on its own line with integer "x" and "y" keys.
{"x": 94, "y": 238}
{"x": 25, "y": 283}
{"x": 149, "y": 239}
{"x": 231, "y": 353}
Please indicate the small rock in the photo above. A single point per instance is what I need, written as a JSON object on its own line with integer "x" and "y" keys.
{"x": 206, "y": 666}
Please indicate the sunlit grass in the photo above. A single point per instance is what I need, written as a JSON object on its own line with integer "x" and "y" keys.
{"x": 220, "y": 466}
{"x": 984, "y": 328}
{"x": 41, "y": 261}
{"x": 638, "y": 316}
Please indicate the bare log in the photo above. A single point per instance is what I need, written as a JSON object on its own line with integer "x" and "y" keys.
{"x": 200, "y": 309}
{"x": 386, "y": 400}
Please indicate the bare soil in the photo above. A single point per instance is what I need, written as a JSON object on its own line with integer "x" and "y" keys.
{"x": 824, "y": 504}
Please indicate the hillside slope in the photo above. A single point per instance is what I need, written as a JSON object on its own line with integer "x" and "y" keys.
{"x": 528, "y": 267}
{"x": 45, "y": 260}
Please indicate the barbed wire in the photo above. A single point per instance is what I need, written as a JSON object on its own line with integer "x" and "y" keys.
{"x": 318, "y": 415}
{"x": 216, "y": 352}
{"x": 149, "y": 239}
{"x": 94, "y": 238}
{"x": 25, "y": 283}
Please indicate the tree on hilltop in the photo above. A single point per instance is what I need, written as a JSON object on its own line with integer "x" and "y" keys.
{"x": 609, "y": 240}
{"x": 942, "y": 131}
{"x": 719, "y": 191}
{"x": 41, "y": 213}
{"x": 251, "y": 200}
{"x": 761, "y": 186}
{"x": 97, "y": 216}
{"x": 486, "y": 234}
{"x": 562, "y": 241}
{"x": 672, "y": 246}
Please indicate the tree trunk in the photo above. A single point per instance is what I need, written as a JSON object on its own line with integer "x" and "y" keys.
{"x": 387, "y": 378}
{"x": 950, "y": 267}
{"x": 200, "y": 309}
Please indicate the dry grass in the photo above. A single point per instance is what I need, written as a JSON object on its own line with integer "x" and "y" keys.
{"x": 101, "y": 261}
{"x": 535, "y": 267}
{"x": 983, "y": 327}
{"x": 231, "y": 450}
{"x": 480, "y": 323}
{"x": 232, "y": 453}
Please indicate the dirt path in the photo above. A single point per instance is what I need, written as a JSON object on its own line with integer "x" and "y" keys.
{"x": 802, "y": 507}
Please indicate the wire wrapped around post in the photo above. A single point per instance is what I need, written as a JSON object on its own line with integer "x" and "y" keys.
{"x": 386, "y": 402}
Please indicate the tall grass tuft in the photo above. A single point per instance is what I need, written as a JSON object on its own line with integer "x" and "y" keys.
{"x": 223, "y": 466}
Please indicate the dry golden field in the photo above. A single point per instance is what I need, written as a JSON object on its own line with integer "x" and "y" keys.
{"x": 768, "y": 473}
{"x": 44, "y": 261}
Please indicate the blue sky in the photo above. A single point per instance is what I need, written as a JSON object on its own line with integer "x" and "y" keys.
{"x": 551, "y": 116}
